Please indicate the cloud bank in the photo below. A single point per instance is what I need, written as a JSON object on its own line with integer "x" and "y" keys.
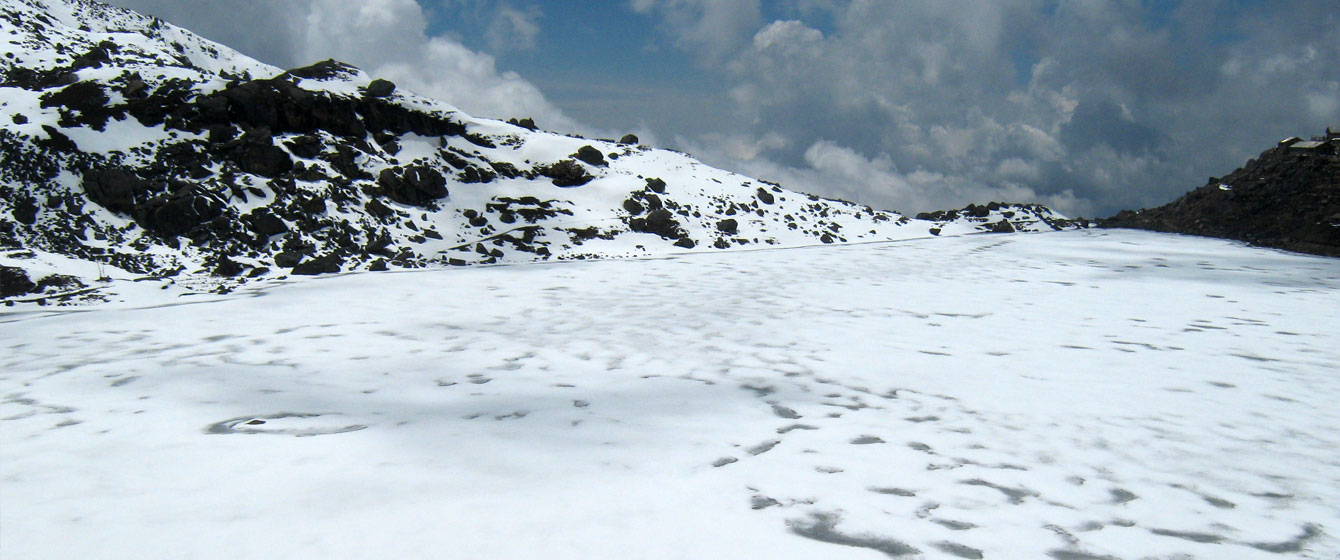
{"x": 1088, "y": 106}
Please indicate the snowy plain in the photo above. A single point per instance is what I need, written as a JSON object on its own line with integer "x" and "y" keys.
{"x": 1071, "y": 395}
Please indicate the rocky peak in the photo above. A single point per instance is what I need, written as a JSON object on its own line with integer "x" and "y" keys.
{"x": 1287, "y": 198}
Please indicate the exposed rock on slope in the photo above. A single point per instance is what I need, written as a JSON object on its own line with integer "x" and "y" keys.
{"x": 130, "y": 142}
{"x": 1288, "y": 198}
{"x": 1002, "y": 217}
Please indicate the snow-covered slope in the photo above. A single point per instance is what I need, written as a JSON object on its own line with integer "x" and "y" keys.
{"x": 1079, "y": 395}
{"x": 130, "y": 142}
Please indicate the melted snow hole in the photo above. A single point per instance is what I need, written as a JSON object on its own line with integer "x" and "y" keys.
{"x": 299, "y": 424}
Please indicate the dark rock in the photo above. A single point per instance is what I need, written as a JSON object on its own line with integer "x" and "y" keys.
{"x": 378, "y": 209}
{"x": 227, "y": 267}
{"x": 57, "y": 141}
{"x": 479, "y": 140}
{"x": 628, "y": 139}
{"x": 324, "y": 70}
{"x": 764, "y": 196}
{"x": 633, "y": 207}
{"x": 685, "y": 243}
{"x": 14, "y": 282}
{"x": 526, "y": 123}
{"x": 378, "y": 244}
{"x": 24, "y": 210}
{"x": 728, "y": 225}
{"x": 19, "y": 118}
{"x": 656, "y": 185}
{"x": 176, "y": 213}
{"x": 377, "y": 265}
{"x": 288, "y": 259}
{"x": 256, "y": 153}
{"x": 306, "y": 147}
{"x": 266, "y": 224}
{"x": 660, "y": 222}
{"x": 414, "y": 185}
{"x": 325, "y": 264}
{"x": 81, "y": 96}
{"x": 505, "y": 169}
{"x": 1003, "y": 226}
{"x": 95, "y": 57}
{"x": 590, "y": 155}
{"x": 474, "y": 174}
{"x": 313, "y": 206}
{"x": 115, "y": 189}
{"x": 566, "y": 173}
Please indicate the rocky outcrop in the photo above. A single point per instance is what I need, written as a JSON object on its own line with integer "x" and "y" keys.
{"x": 1287, "y": 198}
{"x": 415, "y": 185}
{"x": 14, "y": 281}
{"x": 1001, "y": 217}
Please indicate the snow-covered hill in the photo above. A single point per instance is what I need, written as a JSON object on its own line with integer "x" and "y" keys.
{"x": 133, "y": 143}
{"x": 1102, "y": 394}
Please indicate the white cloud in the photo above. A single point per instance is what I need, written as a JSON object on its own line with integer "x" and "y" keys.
{"x": 514, "y": 29}
{"x": 711, "y": 29}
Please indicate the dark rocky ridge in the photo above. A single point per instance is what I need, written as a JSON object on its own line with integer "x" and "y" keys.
{"x": 1287, "y": 198}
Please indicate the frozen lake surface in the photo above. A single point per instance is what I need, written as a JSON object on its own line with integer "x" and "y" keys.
{"x": 1077, "y": 395}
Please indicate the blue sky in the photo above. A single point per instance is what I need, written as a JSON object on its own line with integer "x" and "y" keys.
{"x": 1087, "y": 106}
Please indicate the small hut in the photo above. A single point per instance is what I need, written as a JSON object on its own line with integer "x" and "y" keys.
{"x": 1312, "y": 147}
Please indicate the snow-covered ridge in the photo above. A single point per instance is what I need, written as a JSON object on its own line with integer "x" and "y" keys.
{"x": 136, "y": 144}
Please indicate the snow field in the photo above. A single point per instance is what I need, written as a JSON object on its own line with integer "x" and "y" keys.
{"x": 1087, "y": 394}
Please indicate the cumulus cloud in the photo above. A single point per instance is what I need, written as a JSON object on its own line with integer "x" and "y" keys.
{"x": 712, "y": 29}
{"x": 386, "y": 38}
{"x": 1091, "y": 106}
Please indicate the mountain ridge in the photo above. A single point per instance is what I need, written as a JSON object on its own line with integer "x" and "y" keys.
{"x": 1286, "y": 198}
{"x": 133, "y": 143}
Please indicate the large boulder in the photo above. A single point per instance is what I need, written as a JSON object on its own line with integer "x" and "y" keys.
{"x": 326, "y": 264}
{"x": 180, "y": 212}
{"x": 415, "y": 185}
{"x": 590, "y": 155}
{"x": 256, "y": 153}
{"x": 264, "y": 223}
{"x": 660, "y": 222}
{"x": 567, "y": 173}
{"x": 379, "y": 88}
{"x": 115, "y": 189}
